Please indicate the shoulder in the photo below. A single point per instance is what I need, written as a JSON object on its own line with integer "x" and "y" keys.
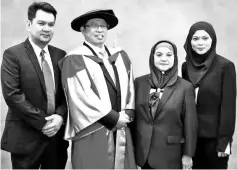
{"x": 118, "y": 50}
{"x": 12, "y": 53}
{"x": 73, "y": 56}
{"x": 141, "y": 82}
{"x": 223, "y": 62}
{"x": 73, "y": 60}
{"x": 71, "y": 65}
{"x": 142, "y": 78}
{"x": 81, "y": 50}
{"x": 184, "y": 83}
{"x": 15, "y": 48}
{"x": 58, "y": 50}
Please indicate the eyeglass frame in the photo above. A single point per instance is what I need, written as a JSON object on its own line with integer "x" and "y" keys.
{"x": 103, "y": 27}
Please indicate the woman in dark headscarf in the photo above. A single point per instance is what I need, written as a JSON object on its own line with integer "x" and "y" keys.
{"x": 166, "y": 123}
{"x": 214, "y": 79}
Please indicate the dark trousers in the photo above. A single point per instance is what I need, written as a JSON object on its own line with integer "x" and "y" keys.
{"x": 51, "y": 156}
{"x": 206, "y": 155}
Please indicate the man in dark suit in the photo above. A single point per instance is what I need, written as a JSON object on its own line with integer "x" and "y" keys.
{"x": 32, "y": 89}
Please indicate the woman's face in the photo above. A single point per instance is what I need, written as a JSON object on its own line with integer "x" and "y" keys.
{"x": 163, "y": 58}
{"x": 201, "y": 42}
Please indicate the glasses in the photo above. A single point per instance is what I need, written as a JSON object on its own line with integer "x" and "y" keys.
{"x": 96, "y": 26}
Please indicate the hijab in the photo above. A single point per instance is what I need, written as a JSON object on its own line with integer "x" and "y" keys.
{"x": 198, "y": 65}
{"x": 157, "y": 79}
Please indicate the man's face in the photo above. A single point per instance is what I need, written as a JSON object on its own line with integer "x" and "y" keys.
{"x": 95, "y": 31}
{"x": 41, "y": 28}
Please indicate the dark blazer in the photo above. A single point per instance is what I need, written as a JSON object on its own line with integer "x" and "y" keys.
{"x": 164, "y": 139}
{"x": 24, "y": 91}
{"x": 216, "y": 102}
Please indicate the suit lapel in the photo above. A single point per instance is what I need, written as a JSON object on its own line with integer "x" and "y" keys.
{"x": 146, "y": 92}
{"x": 35, "y": 62}
{"x": 55, "y": 66}
{"x": 167, "y": 93}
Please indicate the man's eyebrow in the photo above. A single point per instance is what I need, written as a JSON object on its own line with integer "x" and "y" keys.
{"x": 45, "y": 21}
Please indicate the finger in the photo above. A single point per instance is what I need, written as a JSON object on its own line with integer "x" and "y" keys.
{"x": 50, "y": 128}
{"x": 50, "y": 134}
{"x": 47, "y": 126}
{"x": 49, "y": 131}
{"x": 224, "y": 154}
{"x": 126, "y": 121}
{"x": 187, "y": 167}
{"x": 49, "y": 117}
{"x": 124, "y": 115}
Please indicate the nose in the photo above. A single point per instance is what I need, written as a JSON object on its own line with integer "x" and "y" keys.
{"x": 163, "y": 58}
{"x": 46, "y": 27}
{"x": 99, "y": 29}
{"x": 200, "y": 42}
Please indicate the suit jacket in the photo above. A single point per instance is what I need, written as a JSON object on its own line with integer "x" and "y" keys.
{"x": 24, "y": 91}
{"x": 164, "y": 139}
{"x": 216, "y": 102}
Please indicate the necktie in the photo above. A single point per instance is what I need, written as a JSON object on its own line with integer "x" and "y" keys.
{"x": 48, "y": 79}
{"x": 108, "y": 65}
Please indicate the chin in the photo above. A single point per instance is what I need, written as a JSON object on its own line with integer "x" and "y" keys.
{"x": 46, "y": 40}
{"x": 163, "y": 69}
{"x": 201, "y": 52}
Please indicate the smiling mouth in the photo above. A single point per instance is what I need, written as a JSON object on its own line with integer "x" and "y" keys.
{"x": 200, "y": 49}
{"x": 45, "y": 35}
{"x": 100, "y": 36}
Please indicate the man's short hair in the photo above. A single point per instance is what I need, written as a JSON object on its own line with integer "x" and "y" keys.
{"x": 44, "y": 6}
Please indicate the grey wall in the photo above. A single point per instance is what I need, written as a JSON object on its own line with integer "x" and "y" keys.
{"x": 141, "y": 24}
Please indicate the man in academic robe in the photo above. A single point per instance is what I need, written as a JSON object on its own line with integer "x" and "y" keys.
{"x": 99, "y": 87}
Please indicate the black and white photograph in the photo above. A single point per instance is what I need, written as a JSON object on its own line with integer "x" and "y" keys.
{"x": 118, "y": 84}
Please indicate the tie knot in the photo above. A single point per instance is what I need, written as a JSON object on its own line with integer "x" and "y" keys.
{"x": 103, "y": 54}
{"x": 42, "y": 54}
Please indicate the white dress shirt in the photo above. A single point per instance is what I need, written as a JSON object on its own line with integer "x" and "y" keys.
{"x": 37, "y": 51}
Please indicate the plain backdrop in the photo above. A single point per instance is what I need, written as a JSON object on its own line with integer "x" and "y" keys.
{"x": 141, "y": 24}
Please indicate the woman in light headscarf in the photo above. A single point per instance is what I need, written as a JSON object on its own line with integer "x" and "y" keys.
{"x": 166, "y": 123}
{"x": 214, "y": 79}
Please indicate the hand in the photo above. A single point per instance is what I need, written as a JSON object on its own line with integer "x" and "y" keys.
{"x": 187, "y": 162}
{"x": 54, "y": 122}
{"x": 222, "y": 154}
{"x": 123, "y": 120}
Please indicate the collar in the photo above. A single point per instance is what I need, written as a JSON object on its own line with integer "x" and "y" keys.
{"x": 37, "y": 49}
{"x": 96, "y": 49}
